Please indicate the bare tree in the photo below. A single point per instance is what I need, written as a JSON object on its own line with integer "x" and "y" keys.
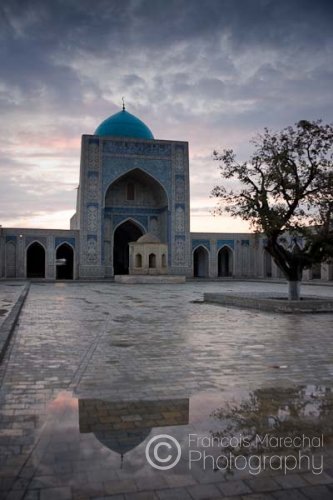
{"x": 285, "y": 191}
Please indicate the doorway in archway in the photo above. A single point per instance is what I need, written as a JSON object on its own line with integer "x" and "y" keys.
{"x": 200, "y": 263}
{"x": 64, "y": 262}
{"x": 36, "y": 261}
{"x": 123, "y": 235}
{"x": 225, "y": 262}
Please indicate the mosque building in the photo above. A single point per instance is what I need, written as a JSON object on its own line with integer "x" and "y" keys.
{"x": 133, "y": 217}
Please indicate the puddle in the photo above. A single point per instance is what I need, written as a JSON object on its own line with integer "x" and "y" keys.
{"x": 121, "y": 344}
{"x": 110, "y": 438}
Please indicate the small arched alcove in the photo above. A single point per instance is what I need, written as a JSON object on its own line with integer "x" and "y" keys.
{"x": 152, "y": 261}
{"x": 138, "y": 260}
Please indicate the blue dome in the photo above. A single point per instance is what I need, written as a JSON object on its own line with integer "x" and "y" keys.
{"x": 123, "y": 124}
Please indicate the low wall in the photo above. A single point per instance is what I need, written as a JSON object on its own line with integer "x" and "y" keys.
{"x": 273, "y": 303}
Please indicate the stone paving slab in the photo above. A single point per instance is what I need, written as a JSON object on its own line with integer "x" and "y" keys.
{"x": 9, "y": 293}
{"x": 14, "y": 301}
{"x": 105, "y": 342}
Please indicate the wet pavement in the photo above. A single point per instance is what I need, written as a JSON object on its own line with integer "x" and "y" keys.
{"x": 9, "y": 293}
{"x": 95, "y": 371}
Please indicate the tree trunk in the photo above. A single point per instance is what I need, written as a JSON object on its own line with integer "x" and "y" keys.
{"x": 294, "y": 289}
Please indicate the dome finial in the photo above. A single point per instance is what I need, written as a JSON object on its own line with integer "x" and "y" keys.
{"x": 123, "y": 99}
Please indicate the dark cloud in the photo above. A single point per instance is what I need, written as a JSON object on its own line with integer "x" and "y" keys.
{"x": 214, "y": 73}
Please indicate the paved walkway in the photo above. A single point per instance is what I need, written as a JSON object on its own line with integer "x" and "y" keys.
{"x": 9, "y": 293}
{"x": 95, "y": 370}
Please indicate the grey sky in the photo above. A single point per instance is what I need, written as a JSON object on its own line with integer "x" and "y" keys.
{"x": 212, "y": 72}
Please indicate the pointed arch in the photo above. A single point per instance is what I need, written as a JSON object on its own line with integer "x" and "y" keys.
{"x": 200, "y": 262}
{"x": 138, "y": 260}
{"x": 225, "y": 262}
{"x": 134, "y": 176}
{"x": 152, "y": 261}
{"x": 133, "y": 221}
{"x": 64, "y": 261}
{"x": 35, "y": 260}
{"x": 123, "y": 234}
{"x": 150, "y": 203}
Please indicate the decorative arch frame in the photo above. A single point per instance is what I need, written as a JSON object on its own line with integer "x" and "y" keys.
{"x": 35, "y": 241}
{"x": 129, "y": 219}
{"x": 140, "y": 170}
{"x": 200, "y": 245}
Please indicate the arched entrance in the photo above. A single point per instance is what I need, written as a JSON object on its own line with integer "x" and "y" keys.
{"x": 225, "y": 262}
{"x": 123, "y": 235}
{"x": 139, "y": 192}
{"x": 200, "y": 262}
{"x": 35, "y": 261}
{"x": 64, "y": 262}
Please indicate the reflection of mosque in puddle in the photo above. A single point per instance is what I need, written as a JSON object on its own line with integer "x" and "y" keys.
{"x": 122, "y": 426}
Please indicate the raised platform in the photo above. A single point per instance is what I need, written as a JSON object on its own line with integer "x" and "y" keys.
{"x": 272, "y": 303}
{"x": 144, "y": 279}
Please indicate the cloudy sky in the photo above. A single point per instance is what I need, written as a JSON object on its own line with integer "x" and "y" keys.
{"x": 211, "y": 72}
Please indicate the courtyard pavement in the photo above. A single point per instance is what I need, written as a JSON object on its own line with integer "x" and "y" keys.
{"x": 9, "y": 293}
{"x": 94, "y": 371}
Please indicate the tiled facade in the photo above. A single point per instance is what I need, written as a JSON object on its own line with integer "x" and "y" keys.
{"x": 155, "y": 174}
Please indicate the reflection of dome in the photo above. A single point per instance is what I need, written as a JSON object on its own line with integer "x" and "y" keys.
{"x": 121, "y": 442}
{"x": 148, "y": 238}
{"x": 124, "y": 124}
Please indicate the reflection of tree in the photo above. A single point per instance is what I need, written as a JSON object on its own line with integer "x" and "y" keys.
{"x": 277, "y": 413}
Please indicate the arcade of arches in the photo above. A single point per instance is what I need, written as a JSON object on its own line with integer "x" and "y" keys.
{"x": 35, "y": 261}
{"x": 201, "y": 262}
